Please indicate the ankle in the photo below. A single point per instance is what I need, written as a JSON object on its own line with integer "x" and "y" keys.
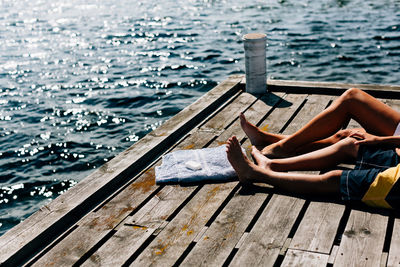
{"x": 284, "y": 145}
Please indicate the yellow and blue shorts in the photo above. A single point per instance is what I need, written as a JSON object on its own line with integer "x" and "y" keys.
{"x": 375, "y": 179}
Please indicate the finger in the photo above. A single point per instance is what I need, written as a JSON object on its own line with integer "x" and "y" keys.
{"x": 357, "y": 134}
{"x": 358, "y": 137}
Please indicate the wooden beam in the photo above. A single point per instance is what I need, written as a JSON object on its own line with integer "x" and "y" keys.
{"x": 331, "y": 88}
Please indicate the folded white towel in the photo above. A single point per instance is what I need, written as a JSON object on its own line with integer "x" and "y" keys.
{"x": 189, "y": 166}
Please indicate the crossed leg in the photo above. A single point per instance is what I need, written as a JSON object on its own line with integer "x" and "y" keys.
{"x": 374, "y": 116}
{"x": 270, "y": 171}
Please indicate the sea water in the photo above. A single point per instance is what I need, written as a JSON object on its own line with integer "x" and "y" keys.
{"x": 80, "y": 81}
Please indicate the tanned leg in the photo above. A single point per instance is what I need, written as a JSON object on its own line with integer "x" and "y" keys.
{"x": 328, "y": 183}
{"x": 374, "y": 116}
{"x": 325, "y": 158}
{"x": 260, "y": 139}
{"x": 340, "y": 135}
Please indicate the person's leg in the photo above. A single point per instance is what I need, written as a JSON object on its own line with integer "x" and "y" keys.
{"x": 374, "y": 116}
{"x": 260, "y": 139}
{"x": 343, "y": 151}
{"x": 247, "y": 171}
{"x": 340, "y": 135}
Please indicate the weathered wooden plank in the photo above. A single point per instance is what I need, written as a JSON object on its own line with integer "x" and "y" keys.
{"x": 274, "y": 84}
{"x": 268, "y": 257}
{"x": 172, "y": 241}
{"x": 95, "y": 226}
{"x": 49, "y": 222}
{"x": 332, "y": 255}
{"x": 253, "y": 112}
{"x": 304, "y": 258}
{"x": 363, "y": 239}
{"x": 394, "y": 252}
{"x": 263, "y": 243}
{"x": 283, "y": 113}
{"x": 233, "y": 219}
{"x": 257, "y": 111}
{"x": 98, "y": 219}
{"x": 384, "y": 259}
{"x": 154, "y": 213}
{"x": 118, "y": 208}
{"x": 314, "y": 105}
{"x": 125, "y": 234}
{"x": 98, "y": 224}
{"x": 330, "y": 87}
{"x": 218, "y": 253}
{"x": 394, "y": 258}
{"x": 138, "y": 231}
{"x": 318, "y": 228}
{"x": 225, "y": 232}
{"x": 142, "y": 259}
{"x": 227, "y": 115}
{"x": 222, "y": 236}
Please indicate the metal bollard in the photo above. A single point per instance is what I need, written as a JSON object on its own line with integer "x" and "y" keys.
{"x": 255, "y": 62}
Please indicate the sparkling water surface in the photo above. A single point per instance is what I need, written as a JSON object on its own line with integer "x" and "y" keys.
{"x": 80, "y": 81}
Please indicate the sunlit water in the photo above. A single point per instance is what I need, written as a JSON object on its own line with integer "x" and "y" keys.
{"x": 80, "y": 81}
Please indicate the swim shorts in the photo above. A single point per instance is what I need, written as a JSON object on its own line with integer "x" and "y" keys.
{"x": 375, "y": 179}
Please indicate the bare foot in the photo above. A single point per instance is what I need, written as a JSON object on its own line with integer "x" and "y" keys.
{"x": 261, "y": 160}
{"x": 240, "y": 163}
{"x": 257, "y": 137}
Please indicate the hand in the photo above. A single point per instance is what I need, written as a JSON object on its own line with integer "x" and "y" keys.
{"x": 366, "y": 138}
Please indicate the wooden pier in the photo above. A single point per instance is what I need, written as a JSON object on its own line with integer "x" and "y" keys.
{"x": 118, "y": 216}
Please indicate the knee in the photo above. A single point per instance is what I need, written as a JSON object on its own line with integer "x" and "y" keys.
{"x": 331, "y": 180}
{"x": 351, "y": 95}
{"x": 348, "y": 147}
{"x": 334, "y": 174}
